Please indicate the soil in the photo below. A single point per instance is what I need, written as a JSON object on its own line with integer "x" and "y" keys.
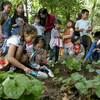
{"x": 53, "y": 90}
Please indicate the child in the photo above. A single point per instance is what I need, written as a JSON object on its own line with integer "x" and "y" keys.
{"x": 78, "y": 49}
{"x": 40, "y": 28}
{"x": 94, "y": 51}
{"x": 5, "y": 21}
{"x": 38, "y": 57}
{"x": 68, "y": 45}
{"x": 14, "y": 51}
{"x": 18, "y": 19}
{"x": 84, "y": 27}
{"x": 55, "y": 41}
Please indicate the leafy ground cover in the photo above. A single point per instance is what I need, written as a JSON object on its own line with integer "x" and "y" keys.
{"x": 73, "y": 83}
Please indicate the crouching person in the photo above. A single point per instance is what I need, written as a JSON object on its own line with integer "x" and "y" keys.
{"x": 37, "y": 58}
{"x": 94, "y": 52}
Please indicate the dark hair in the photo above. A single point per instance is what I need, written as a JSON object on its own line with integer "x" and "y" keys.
{"x": 15, "y": 12}
{"x": 73, "y": 24}
{"x": 43, "y": 11}
{"x": 97, "y": 34}
{"x": 13, "y": 20}
{"x": 28, "y": 29}
{"x": 84, "y": 10}
{"x": 79, "y": 16}
{"x": 39, "y": 38}
{"x": 4, "y": 4}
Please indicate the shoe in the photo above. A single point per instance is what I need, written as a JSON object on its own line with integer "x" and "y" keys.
{"x": 50, "y": 73}
{"x": 98, "y": 72}
{"x": 12, "y": 69}
{"x": 56, "y": 62}
{"x": 39, "y": 74}
{"x": 34, "y": 65}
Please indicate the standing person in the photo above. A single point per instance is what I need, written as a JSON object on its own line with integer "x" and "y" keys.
{"x": 5, "y": 21}
{"x": 18, "y": 19}
{"x": 55, "y": 41}
{"x": 67, "y": 37}
{"x": 47, "y": 20}
{"x": 38, "y": 26}
{"x": 84, "y": 27}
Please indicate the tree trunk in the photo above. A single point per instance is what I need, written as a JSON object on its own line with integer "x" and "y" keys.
{"x": 26, "y": 6}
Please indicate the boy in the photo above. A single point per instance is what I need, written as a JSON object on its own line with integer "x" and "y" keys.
{"x": 83, "y": 26}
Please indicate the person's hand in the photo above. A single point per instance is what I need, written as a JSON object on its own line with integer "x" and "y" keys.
{"x": 81, "y": 30}
{"x": 27, "y": 70}
{"x": 89, "y": 29}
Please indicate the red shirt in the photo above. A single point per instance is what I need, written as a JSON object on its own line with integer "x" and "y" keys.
{"x": 49, "y": 23}
{"x": 77, "y": 48}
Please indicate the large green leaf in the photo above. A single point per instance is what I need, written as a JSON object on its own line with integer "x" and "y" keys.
{"x": 1, "y": 90}
{"x": 98, "y": 91}
{"x": 76, "y": 76}
{"x": 81, "y": 87}
{"x": 13, "y": 89}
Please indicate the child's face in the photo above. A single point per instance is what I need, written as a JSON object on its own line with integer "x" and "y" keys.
{"x": 20, "y": 9}
{"x": 7, "y": 8}
{"x": 85, "y": 15}
{"x": 39, "y": 45}
{"x": 69, "y": 24}
{"x": 37, "y": 20}
{"x": 29, "y": 37}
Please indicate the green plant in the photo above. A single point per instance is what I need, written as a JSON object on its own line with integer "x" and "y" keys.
{"x": 19, "y": 86}
{"x": 83, "y": 86}
{"x": 73, "y": 64}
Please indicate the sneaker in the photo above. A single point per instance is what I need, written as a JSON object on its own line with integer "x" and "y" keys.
{"x": 50, "y": 73}
{"x": 12, "y": 69}
{"x": 34, "y": 65}
{"x": 42, "y": 75}
{"x": 39, "y": 74}
{"x": 98, "y": 72}
{"x": 56, "y": 62}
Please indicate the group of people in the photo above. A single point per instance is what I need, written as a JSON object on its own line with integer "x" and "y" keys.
{"x": 30, "y": 47}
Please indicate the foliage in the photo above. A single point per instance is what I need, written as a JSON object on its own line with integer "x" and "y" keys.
{"x": 19, "y": 86}
{"x": 84, "y": 86}
{"x": 65, "y": 9}
{"x": 73, "y": 64}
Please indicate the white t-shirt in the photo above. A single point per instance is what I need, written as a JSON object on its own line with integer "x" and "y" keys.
{"x": 40, "y": 29}
{"x": 83, "y": 24}
{"x": 13, "y": 40}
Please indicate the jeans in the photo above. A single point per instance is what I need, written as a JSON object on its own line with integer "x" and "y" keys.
{"x": 47, "y": 37}
{"x": 96, "y": 55}
{"x": 54, "y": 53}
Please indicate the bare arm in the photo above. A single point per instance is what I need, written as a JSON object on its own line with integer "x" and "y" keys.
{"x": 70, "y": 35}
{"x": 14, "y": 61}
